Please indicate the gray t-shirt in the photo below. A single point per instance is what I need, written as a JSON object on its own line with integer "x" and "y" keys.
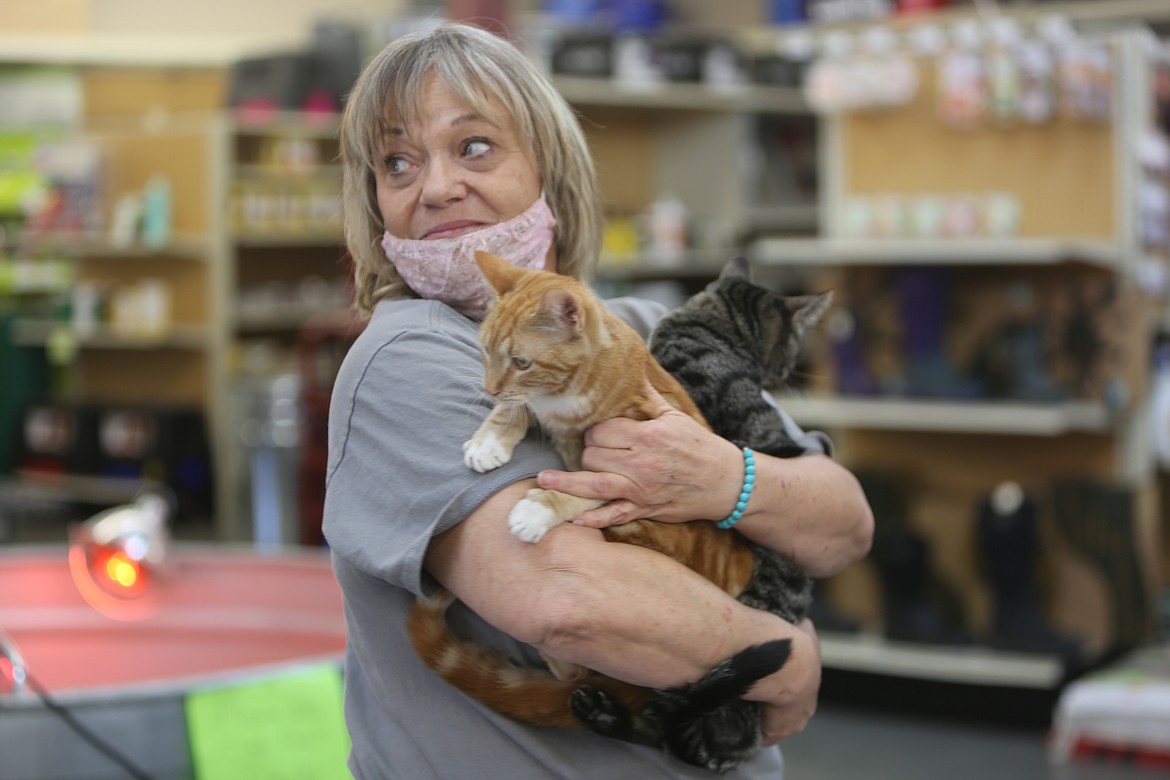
{"x": 408, "y": 395}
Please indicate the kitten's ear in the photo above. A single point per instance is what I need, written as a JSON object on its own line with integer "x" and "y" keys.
{"x": 500, "y": 274}
{"x": 807, "y": 310}
{"x": 737, "y": 268}
{"x": 560, "y": 312}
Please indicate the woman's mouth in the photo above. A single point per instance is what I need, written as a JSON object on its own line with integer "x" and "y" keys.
{"x": 450, "y": 229}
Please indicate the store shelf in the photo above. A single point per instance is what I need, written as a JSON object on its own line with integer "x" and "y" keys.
{"x": 766, "y": 38}
{"x": 583, "y": 91}
{"x": 43, "y": 332}
{"x": 985, "y": 251}
{"x": 803, "y": 217}
{"x": 968, "y": 665}
{"x": 312, "y": 173}
{"x": 286, "y": 240}
{"x": 299, "y": 124}
{"x": 218, "y": 50}
{"x": 32, "y": 485}
{"x": 181, "y": 247}
{"x": 918, "y": 414}
{"x": 290, "y": 317}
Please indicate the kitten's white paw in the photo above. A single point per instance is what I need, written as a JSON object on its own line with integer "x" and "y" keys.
{"x": 531, "y": 520}
{"x": 485, "y": 453}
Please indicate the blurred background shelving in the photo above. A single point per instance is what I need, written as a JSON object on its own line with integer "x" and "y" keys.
{"x": 242, "y": 299}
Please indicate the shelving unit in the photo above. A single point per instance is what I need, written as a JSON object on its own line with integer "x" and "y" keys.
{"x": 646, "y": 140}
{"x": 941, "y": 416}
{"x": 954, "y": 451}
{"x": 971, "y": 665}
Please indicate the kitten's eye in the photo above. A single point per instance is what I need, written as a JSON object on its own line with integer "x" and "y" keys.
{"x": 522, "y": 363}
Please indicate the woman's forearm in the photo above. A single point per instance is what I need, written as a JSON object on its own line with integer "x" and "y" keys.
{"x": 639, "y": 616}
{"x": 811, "y": 509}
{"x": 628, "y": 612}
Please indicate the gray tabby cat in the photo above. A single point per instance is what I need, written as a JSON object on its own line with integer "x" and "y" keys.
{"x": 726, "y": 346}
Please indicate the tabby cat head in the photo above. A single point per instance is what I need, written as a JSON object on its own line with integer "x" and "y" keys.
{"x": 541, "y": 328}
{"x": 748, "y": 317}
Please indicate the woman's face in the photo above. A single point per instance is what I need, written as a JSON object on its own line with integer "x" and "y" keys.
{"x": 455, "y": 171}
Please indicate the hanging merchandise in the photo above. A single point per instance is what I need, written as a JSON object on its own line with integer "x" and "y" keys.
{"x": 1037, "y": 82}
{"x": 789, "y": 12}
{"x": 886, "y": 75}
{"x": 1086, "y": 81}
{"x": 1004, "y": 75}
{"x": 962, "y": 79}
{"x": 828, "y": 85}
{"x": 908, "y": 7}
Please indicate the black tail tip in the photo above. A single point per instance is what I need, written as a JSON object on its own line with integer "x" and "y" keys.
{"x": 759, "y": 661}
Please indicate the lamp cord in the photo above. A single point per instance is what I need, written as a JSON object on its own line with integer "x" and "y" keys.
{"x": 84, "y": 732}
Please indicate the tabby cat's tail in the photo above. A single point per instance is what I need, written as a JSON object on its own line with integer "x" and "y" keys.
{"x": 705, "y": 723}
{"x": 525, "y": 694}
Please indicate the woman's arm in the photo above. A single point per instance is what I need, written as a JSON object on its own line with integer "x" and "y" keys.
{"x": 673, "y": 469}
{"x": 622, "y": 610}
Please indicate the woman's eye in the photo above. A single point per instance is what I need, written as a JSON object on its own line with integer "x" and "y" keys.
{"x": 522, "y": 363}
{"x": 396, "y": 165}
{"x": 476, "y": 148}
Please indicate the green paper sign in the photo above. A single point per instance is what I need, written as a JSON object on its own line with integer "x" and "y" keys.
{"x": 288, "y": 728}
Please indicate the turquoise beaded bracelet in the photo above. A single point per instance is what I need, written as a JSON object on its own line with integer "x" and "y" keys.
{"x": 745, "y": 492}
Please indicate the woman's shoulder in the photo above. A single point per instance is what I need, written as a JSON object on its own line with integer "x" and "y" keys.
{"x": 419, "y": 334}
{"x": 640, "y": 314}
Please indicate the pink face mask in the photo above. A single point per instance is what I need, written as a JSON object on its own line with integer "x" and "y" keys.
{"x": 444, "y": 269}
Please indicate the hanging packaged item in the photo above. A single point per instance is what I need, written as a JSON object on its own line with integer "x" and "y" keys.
{"x": 962, "y": 79}
{"x": 886, "y": 76}
{"x": 828, "y": 84}
{"x": 1004, "y": 74}
{"x": 1086, "y": 81}
{"x": 1037, "y": 82}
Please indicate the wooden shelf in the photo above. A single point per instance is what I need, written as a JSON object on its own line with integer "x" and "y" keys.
{"x": 177, "y": 336}
{"x": 286, "y": 240}
{"x": 975, "y": 251}
{"x": 967, "y": 665}
{"x": 182, "y": 247}
{"x": 584, "y": 91}
{"x": 919, "y": 414}
{"x": 290, "y": 317}
{"x": 324, "y": 173}
{"x": 194, "y": 50}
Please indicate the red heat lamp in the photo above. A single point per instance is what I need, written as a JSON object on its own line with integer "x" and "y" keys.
{"x": 116, "y": 556}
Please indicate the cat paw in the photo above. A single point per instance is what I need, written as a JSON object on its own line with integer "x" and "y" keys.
{"x": 485, "y": 453}
{"x": 600, "y": 712}
{"x": 530, "y": 520}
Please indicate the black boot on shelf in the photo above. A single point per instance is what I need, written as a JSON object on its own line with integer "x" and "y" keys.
{"x": 1098, "y": 520}
{"x": 913, "y": 595}
{"x": 1008, "y": 543}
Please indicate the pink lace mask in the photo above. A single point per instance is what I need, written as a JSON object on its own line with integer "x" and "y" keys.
{"x": 444, "y": 269}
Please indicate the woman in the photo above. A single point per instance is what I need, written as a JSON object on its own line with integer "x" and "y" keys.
{"x": 452, "y": 141}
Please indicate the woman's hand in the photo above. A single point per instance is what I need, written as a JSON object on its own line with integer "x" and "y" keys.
{"x": 670, "y": 469}
{"x": 788, "y": 712}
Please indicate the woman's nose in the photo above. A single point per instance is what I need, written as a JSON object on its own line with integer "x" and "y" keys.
{"x": 442, "y": 182}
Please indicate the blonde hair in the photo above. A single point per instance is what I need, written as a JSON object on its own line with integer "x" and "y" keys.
{"x": 477, "y": 66}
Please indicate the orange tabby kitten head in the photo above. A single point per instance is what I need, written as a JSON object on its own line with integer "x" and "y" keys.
{"x": 542, "y": 327}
